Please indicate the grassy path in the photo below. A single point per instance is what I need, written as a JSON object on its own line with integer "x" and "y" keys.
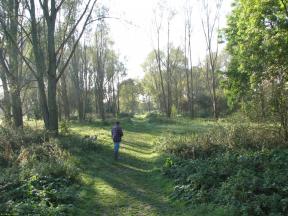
{"x": 131, "y": 186}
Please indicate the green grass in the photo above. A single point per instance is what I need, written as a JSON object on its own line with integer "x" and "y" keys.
{"x": 134, "y": 185}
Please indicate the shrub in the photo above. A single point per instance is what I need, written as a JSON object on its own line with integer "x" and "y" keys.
{"x": 254, "y": 183}
{"x": 125, "y": 115}
{"x": 65, "y": 127}
{"x": 38, "y": 178}
{"x": 219, "y": 139}
{"x": 11, "y": 142}
{"x": 242, "y": 167}
{"x": 157, "y": 118}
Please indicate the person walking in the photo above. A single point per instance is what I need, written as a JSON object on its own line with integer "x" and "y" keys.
{"x": 117, "y": 134}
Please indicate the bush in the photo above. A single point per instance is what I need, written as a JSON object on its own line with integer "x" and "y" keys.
{"x": 125, "y": 115}
{"x": 65, "y": 127}
{"x": 11, "y": 142}
{"x": 41, "y": 195}
{"x": 219, "y": 139}
{"x": 242, "y": 167}
{"x": 38, "y": 177}
{"x": 157, "y": 118}
{"x": 253, "y": 183}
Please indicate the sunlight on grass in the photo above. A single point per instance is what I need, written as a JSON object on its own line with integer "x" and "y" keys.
{"x": 133, "y": 185}
{"x": 34, "y": 123}
{"x": 134, "y": 168}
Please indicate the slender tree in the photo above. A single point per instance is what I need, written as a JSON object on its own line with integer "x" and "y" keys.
{"x": 210, "y": 25}
{"x": 10, "y": 63}
{"x": 54, "y": 52}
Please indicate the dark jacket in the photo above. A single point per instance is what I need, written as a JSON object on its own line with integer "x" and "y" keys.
{"x": 117, "y": 133}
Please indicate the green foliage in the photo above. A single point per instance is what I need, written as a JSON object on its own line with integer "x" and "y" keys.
{"x": 41, "y": 195}
{"x": 38, "y": 176}
{"x": 126, "y": 115}
{"x": 219, "y": 139}
{"x": 158, "y": 118}
{"x": 245, "y": 181}
{"x": 174, "y": 111}
{"x": 64, "y": 127}
{"x": 129, "y": 96}
{"x": 257, "y": 73}
{"x": 241, "y": 167}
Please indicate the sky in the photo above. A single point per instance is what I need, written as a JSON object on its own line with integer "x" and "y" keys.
{"x": 134, "y": 34}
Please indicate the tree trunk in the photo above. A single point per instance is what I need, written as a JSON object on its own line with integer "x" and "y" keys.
{"x": 16, "y": 105}
{"x": 43, "y": 102}
{"x": 40, "y": 66}
{"x": 169, "y": 90}
{"x": 118, "y": 95}
{"x": 65, "y": 100}
{"x": 6, "y": 100}
{"x": 262, "y": 102}
{"x": 52, "y": 67}
{"x": 114, "y": 103}
{"x": 13, "y": 75}
{"x": 52, "y": 104}
{"x": 101, "y": 104}
{"x": 214, "y": 96}
{"x": 86, "y": 84}
{"x": 209, "y": 25}
{"x": 78, "y": 87}
{"x": 158, "y": 58}
{"x": 100, "y": 91}
{"x": 52, "y": 83}
{"x": 80, "y": 106}
{"x": 191, "y": 90}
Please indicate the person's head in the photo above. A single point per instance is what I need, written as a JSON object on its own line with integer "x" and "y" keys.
{"x": 117, "y": 123}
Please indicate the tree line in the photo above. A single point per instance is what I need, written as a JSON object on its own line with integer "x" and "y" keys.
{"x": 49, "y": 72}
{"x": 42, "y": 60}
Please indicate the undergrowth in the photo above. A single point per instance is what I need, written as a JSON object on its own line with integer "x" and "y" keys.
{"x": 38, "y": 174}
{"x": 160, "y": 119}
{"x": 243, "y": 168}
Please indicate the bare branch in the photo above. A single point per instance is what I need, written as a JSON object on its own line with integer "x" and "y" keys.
{"x": 25, "y": 59}
{"x": 59, "y": 6}
{"x": 27, "y": 82}
{"x": 4, "y": 64}
{"x": 75, "y": 26}
{"x": 64, "y": 35}
{"x": 61, "y": 71}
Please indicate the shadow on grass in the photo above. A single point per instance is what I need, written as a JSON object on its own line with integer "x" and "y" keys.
{"x": 137, "y": 146}
{"x": 142, "y": 127}
{"x": 132, "y": 148}
{"x": 133, "y": 179}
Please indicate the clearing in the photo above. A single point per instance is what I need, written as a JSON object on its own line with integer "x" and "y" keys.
{"x": 133, "y": 185}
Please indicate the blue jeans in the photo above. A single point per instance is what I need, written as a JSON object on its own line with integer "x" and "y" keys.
{"x": 116, "y": 147}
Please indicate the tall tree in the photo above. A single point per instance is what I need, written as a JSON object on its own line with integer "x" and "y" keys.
{"x": 257, "y": 42}
{"x": 5, "y": 104}
{"x": 165, "y": 81}
{"x": 78, "y": 82}
{"x": 188, "y": 59}
{"x": 9, "y": 20}
{"x": 210, "y": 25}
{"x": 101, "y": 43}
{"x": 54, "y": 51}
